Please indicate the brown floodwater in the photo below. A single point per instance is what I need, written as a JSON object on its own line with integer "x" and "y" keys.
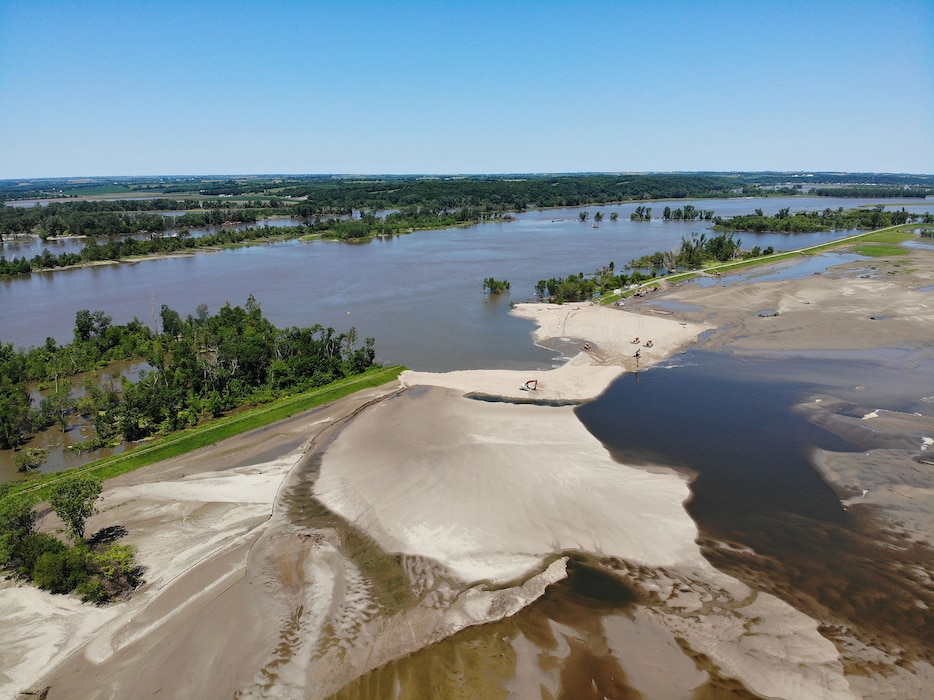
{"x": 557, "y": 647}
{"x": 732, "y": 421}
{"x": 60, "y": 444}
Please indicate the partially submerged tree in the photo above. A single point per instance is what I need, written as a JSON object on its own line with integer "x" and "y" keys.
{"x": 30, "y": 458}
{"x": 55, "y": 408}
{"x": 15, "y": 416}
{"x": 495, "y": 286}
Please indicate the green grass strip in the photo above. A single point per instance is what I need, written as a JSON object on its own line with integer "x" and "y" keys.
{"x": 879, "y": 250}
{"x": 194, "y": 438}
{"x": 895, "y": 236}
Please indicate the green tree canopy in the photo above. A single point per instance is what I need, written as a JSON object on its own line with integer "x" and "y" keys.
{"x": 495, "y": 286}
{"x": 17, "y": 522}
{"x": 73, "y": 500}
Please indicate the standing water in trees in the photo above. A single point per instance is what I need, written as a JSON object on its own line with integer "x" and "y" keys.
{"x": 200, "y": 367}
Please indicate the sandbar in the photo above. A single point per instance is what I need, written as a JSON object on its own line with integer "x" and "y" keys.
{"x": 612, "y": 339}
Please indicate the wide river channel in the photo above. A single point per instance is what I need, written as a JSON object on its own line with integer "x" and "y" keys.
{"x": 418, "y": 295}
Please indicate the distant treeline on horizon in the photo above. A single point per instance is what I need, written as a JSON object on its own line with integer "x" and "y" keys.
{"x": 330, "y": 193}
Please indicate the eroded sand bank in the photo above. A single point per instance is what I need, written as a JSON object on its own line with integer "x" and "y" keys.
{"x": 493, "y": 488}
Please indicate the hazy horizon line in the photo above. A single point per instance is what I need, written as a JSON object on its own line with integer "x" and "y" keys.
{"x": 452, "y": 174}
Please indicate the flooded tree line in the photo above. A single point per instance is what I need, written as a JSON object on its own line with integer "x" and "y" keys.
{"x": 200, "y": 367}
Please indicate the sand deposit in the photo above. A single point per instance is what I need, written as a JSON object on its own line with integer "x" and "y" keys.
{"x": 612, "y": 336}
{"x": 493, "y": 489}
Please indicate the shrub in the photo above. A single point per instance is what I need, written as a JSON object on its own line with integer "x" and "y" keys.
{"x": 117, "y": 570}
{"x": 93, "y": 591}
{"x": 61, "y": 572}
{"x": 31, "y": 548}
{"x": 30, "y": 458}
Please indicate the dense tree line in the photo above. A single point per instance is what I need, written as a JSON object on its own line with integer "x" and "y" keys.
{"x": 97, "y": 342}
{"x": 406, "y": 220}
{"x": 337, "y": 191}
{"x": 201, "y": 366}
{"x": 121, "y": 217}
{"x": 835, "y": 178}
{"x": 66, "y": 189}
{"x": 693, "y": 253}
{"x": 828, "y": 219}
{"x": 870, "y": 191}
{"x": 118, "y": 205}
{"x": 578, "y": 287}
{"x": 501, "y": 193}
{"x": 96, "y": 251}
{"x": 696, "y": 251}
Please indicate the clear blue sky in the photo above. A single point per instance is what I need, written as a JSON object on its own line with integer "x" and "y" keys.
{"x": 166, "y": 87}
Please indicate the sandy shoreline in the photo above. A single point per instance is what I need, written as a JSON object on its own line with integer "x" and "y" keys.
{"x": 609, "y": 334}
{"x": 467, "y": 512}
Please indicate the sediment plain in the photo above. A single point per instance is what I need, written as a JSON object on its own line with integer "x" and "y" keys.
{"x": 462, "y": 535}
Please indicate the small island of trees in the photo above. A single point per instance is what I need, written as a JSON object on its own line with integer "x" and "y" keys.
{"x": 495, "y": 286}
